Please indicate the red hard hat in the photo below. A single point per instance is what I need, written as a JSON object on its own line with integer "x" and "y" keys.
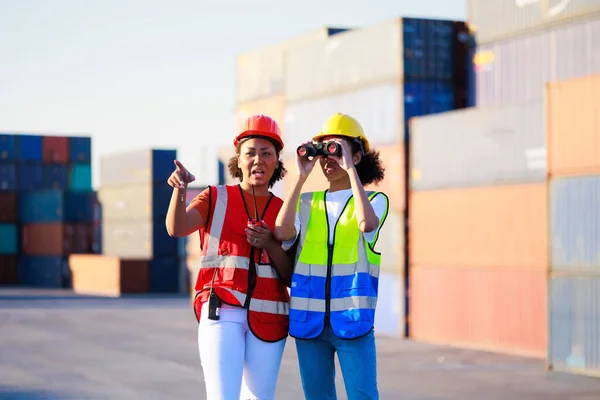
{"x": 260, "y": 125}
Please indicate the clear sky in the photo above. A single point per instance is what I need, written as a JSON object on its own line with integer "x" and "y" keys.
{"x": 136, "y": 74}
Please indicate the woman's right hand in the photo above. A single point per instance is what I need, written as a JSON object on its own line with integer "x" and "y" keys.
{"x": 181, "y": 177}
{"x": 304, "y": 166}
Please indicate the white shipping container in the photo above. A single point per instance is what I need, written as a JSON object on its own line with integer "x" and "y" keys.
{"x": 518, "y": 69}
{"x": 389, "y": 314}
{"x": 260, "y": 73}
{"x": 474, "y": 147}
{"x": 498, "y": 19}
{"x": 363, "y": 57}
{"x": 378, "y": 108}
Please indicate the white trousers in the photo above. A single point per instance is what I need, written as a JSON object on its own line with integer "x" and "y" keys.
{"x": 236, "y": 364}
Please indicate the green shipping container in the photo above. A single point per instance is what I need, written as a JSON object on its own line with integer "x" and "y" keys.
{"x": 8, "y": 239}
{"x": 80, "y": 177}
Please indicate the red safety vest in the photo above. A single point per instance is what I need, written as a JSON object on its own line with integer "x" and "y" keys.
{"x": 226, "y": 258}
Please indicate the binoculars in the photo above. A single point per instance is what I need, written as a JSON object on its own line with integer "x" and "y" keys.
{"x": 330, "y": 148}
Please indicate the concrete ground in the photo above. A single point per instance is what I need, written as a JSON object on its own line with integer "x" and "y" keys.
{"x": 55, "y": 345}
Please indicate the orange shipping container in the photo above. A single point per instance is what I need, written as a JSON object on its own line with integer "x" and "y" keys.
{"x": 57, "y": 239}
{"x": 496, "y": 310}
{"x": 108, "y": 276}
{"x": 573, "y": 126}
{"x": 487, "y": 227}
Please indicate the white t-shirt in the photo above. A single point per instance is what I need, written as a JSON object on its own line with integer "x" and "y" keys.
{"x": 335, "y": 202}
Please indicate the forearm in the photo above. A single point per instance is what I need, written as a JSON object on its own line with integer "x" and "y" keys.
{"x": 176, "y": 215}
{"x": 284, "y": 225}
{"x": 282, "y": 263}
{"x": 365, "y": 215}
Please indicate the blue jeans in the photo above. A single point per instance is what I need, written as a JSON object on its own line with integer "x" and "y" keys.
{"x": 358, "y": 362}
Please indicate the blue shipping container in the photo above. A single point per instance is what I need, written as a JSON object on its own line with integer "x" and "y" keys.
{"x": 575, "y": 224}
{"x": 44, "y": 271}
{"x": 574, "y": 337}
{"x": 80, "y": 177}
{"x": 8, "y": 177}
{"x": 428, "y": 49}
{"x": 7, "y": 147}
{"x": 55, "y": 177}
{"x": 426, "y": 97}
{"x": 164, "y": 275}
{"x": 30, "y": 176}
{"x": 56, "y": 206}
{"x": 9, "y": 239}
{"x": 162, "y": 243}
{"x": 80, "y": 149}
{"x": 162, "y": 164}
{"x": 161, "y": 197}
{"x": 29, "y": 148}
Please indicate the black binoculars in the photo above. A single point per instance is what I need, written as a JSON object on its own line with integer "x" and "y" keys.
{"x": 330, "y": 148}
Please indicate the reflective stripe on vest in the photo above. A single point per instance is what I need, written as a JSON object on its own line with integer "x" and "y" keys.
{"x": 354, "y": 273}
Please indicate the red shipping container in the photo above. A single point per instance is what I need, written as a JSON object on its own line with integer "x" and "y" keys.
{"x": 56, "y": 239}
{"x": 484, "y": 308}
{"x": 8, "y": 270}
{"x": 8, "y": 207}
{"x": 55, "y": 150}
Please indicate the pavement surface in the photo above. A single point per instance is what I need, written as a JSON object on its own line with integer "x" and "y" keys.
{"x": 56, "y": 345}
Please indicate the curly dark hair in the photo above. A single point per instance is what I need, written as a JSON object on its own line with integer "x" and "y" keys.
{"x": 236, "y": 172}
{"x": 370, "y": 168}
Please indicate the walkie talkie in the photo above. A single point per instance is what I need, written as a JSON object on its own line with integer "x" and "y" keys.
{"x": 214, "y": 303}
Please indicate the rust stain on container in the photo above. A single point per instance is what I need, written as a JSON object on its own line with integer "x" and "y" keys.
{"x": 108, "y": 276}
{"x": 487, "y": 227}
{"x": 496, "y": 310}
{"x": 573, "y": 126}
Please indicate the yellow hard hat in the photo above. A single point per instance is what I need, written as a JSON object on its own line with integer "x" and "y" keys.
{"x": 343, "y": 125}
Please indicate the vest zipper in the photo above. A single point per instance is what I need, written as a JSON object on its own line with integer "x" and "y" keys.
{"x": 328, "y": 282}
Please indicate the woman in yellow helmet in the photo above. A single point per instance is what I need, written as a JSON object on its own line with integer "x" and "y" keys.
{"x": 335, "y": 279}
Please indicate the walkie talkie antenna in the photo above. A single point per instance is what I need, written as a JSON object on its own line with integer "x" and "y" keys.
{"x": 255, "y": 207}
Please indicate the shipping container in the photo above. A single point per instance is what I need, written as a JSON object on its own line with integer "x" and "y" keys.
{"x": 394, "y": 181}
{"x": 273, "y": 106}
{"x": 479, "y": 146}
{"x": 30, "y": 176}
{"x": 260, "y": 72}
{"x": 55, "y": 149}
{"x": 392, "y": 51}
{"x": 7, "y": 147}
{"x": 164, "y": 275}
{"x": 390, "y": 243}
{"x": 183, "y": 283}
{"x": 573, "y": 127}
{"x": 80, "y": 150}
{"x": 108, "y": 276}
{"x": 141, "y": 166}
{"x": 8, "y": 207}
{"x": 29, "y": 148}
{"x": 379, "y": 109}
{"x": 80, "y": 177}
{"x": 482, "y": 308}
{"x": 574, "y": 337}
{"x": 574, "y": 222}
{"x": 56, "y": 206}
{"x": 9, "y": 239}
{"x": 139, "y": 201}
{"x": 518, "y": 69}
{"x": 8, "y": 270}
{"x": 389, "y": 314}
{"x": 498, "y": 19}
{"x": 44, "y": 271}
{"x": 137, "y": 239}
{"x": 56, "y": 239}
{"x": 55, "y": 177}
{"x": 8, "y": 177}
{"x": 496, "y": 227}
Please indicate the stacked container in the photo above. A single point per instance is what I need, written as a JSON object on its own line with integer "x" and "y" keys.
{"x": 478, "y": 229}
{"x": 524, "y": 44}
{"x": 261, "y": 81}
{"x": 51, "y": 189}
{"x": 573, "y": 137}
{"x": 135, "y": 198}
{"x": 382, "y": 75}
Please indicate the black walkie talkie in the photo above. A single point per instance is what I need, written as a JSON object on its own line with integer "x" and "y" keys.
{"x": 214, "y": 303}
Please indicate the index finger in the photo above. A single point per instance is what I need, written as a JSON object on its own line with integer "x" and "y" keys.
{"x": 179, "y": 165}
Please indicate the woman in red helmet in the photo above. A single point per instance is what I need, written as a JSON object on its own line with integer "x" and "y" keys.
{"x": 241, "y": 303}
